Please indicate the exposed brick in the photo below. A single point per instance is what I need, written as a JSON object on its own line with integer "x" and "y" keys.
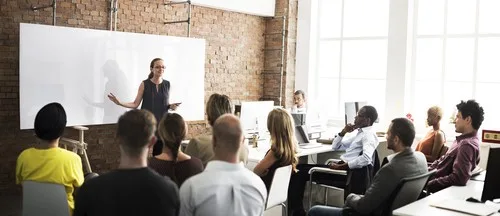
{"x": 235, "y": 60}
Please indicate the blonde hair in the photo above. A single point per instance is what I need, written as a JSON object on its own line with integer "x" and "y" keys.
{"x": 217, "y": 105}
{"x": 281, "y": 128}
{"x": 436, "y": 111}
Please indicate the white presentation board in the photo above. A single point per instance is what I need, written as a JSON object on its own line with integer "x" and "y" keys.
{"x": 79, "y": 67}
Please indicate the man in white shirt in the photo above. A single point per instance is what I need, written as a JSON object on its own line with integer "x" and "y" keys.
{"x": 358, "y": 153}
{"x": 226, "y": 187}
{"x": 299, "y": 102}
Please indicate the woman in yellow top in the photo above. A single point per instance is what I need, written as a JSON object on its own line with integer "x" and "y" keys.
{"x": 282, "y": 152}
{"x": 46, "y": 162}
{"x": 433, "y": 142}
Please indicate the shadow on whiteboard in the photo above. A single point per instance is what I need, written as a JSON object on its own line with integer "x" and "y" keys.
{"x": 101, "y": 106}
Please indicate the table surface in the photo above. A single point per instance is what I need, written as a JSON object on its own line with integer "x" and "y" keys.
{"x": 422, "y": 206}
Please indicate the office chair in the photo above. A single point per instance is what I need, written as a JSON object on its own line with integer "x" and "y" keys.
{"x": 278, "y": 192}
{"x": 407, "y": 191}
{"x": 44, "y": 199}
{"x": 357, "y": 180}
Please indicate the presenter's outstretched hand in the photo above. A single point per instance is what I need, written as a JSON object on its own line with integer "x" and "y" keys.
{"x": 113, "y": 98}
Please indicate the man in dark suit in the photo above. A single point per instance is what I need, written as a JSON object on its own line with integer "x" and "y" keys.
{"x": 405, "y": 162}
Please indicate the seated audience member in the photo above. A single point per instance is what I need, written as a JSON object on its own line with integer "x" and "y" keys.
{"x": 299, "y": 102}
{"x": 405, "y": 162}
{"x": 133, "y": 188}
{"x": 225, "y": 187}
{"x": 172, "y": 162}
{"x": 359, "y": 151}
{"x": 46, "y": 162}
{"x": 201, "y": 147}
{"x": 432, "y": 144}
{"x": 455, "y": 167}
{"x": 282, "y": 152}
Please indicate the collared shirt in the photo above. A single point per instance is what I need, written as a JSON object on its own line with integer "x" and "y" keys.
{"x": 455, "y": 167}
{"x": 223, "y": 189}
{"x": 365, "y": 140}
{"x": 296, "y": 109}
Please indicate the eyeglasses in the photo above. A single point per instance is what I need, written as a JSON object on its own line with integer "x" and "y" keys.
{"x": 159, "y": 67}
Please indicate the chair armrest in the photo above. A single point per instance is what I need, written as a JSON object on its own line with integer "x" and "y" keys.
{"x": 327, "y": 171}
{"x": 332, "y": 161}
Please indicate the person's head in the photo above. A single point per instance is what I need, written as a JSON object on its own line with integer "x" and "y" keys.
{"x": 217, "y": 105}
{"x": 366, "y": 116}
{"x": 172, "y": 130}
{"x": 157, "y": 68}
{"x": 470, "y": 116}
{"x": 135, "y": 132}
{"x": 50, "y": 122}
{"x": 227, "y": 136}
{"x": 299, "y": 98}
{"x": 281, "y": 128}
{"x": 400, "y": 134}
{"x": 434, "y": 115}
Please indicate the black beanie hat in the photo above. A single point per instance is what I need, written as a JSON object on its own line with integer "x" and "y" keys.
{"x": 50, "y": 122}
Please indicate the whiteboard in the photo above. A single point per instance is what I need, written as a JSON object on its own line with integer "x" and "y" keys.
{"x": 79, "y": 67}
{"x": 254, "y": 7}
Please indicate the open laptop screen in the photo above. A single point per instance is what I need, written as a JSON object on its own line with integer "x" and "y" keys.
{"x": 491, "y": 189}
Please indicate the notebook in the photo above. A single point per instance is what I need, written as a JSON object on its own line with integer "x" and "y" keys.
{"x": 479, "y": 209}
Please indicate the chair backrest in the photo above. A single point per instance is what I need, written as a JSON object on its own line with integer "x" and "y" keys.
{"x": 44, "y": 199}
{"x": 278, "y": 191}
{"x": 359, "y": 180}
{"x": 407, "y": 191}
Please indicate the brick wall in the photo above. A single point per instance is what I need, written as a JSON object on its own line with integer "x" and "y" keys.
{"x": 272, "y": 74}
{"x": 234, "y": 62}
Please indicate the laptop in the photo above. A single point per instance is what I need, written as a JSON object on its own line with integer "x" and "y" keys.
{"x": 303, "y": 138}
{"x": 491, "y": 189}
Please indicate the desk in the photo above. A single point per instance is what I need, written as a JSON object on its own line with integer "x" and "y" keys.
{"x": 255, "y": 155}
{"x": 422, "y": 207}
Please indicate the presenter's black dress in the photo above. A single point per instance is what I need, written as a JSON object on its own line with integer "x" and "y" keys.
{"x": 155, "y": 100}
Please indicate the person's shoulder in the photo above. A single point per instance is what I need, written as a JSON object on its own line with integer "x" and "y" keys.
{"x": 420, "y": 158}
{"x": 163, "y": 181}
{"x": 68, "y": 155}
{"x": 202, "y": 140}
{"x": 256, "y": 182}
{"x": 253, "y": 178}
{"x": 26, "y": 153}
{"x": 195, "y": 162}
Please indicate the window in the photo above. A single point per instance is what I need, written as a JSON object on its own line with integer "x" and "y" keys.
{"x": 456, "y": 47}
{"x": 352, "y": 54}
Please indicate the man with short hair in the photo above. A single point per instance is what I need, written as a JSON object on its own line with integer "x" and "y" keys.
{"x": 46, "y": 162}
{"x": 133, "y": 188}
{"x": 226, "y": 187}
{"x": 359, "y": 151}
{"x": 455, "y": 167}
{"x": 405, "y": 162}
{"x": 299, "y": 102}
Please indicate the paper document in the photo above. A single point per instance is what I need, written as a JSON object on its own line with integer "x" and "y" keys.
{"x": 463, "y": 206}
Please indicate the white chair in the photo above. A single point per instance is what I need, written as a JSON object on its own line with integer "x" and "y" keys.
{"x": 44, "y": 199}
{"x": 278, "y": 192}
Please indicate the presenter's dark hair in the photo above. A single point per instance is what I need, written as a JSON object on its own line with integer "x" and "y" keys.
{"x": 50, "y": 122}
{"x": 151, "y": 67}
